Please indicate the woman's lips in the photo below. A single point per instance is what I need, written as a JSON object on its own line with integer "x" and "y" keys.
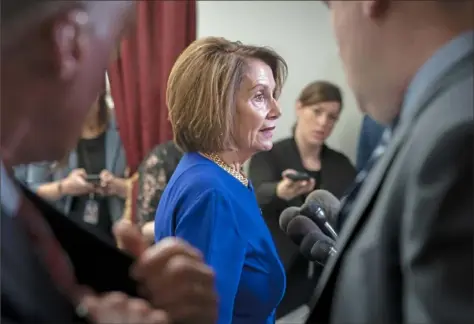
{"x": 267, "y": 131}
{"x": 318, "y": 134}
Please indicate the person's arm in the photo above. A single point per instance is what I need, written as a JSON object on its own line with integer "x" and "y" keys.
{"x": 152, "y": 180}
{"x": 210, "y": 225}
{"x": 437, "y": 250}
{"x": 40, "y": 180}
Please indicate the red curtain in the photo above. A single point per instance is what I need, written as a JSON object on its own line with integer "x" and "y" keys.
{"x": 139, "y": 75}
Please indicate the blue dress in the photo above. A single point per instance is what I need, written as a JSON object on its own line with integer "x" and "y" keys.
{"x": 212, "y": 210}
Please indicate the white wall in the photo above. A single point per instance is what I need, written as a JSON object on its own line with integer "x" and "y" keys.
{"x": 300, "y": 32}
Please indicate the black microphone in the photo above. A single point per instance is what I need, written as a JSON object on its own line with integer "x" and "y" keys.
{"x": 328, "y": 202}
{"x": 317, "y": 247}
{"x": 313, "y": 209}
{"x": 299, "y": 227}
{"x": 286, "y": 216}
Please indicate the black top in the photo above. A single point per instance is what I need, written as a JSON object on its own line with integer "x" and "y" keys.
{"x": 91, "y": 157}
{"x": 335, "y": 176}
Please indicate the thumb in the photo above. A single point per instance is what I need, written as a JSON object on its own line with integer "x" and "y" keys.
{"x": 129, "y": 238}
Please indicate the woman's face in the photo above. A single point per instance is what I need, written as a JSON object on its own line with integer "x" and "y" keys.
{"x": 316, "y": 122}
{"x": 257, "y": 109}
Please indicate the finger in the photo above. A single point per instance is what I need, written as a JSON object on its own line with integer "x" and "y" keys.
{"x": 104, "y": 183}
{"x": 106, "y": 176}
{"x": 303, "y": 184}
{"x": 87, "y": 305}
{"x": 197, "y": 308}
{"x": 179, "y": 279}
{"x": 130, "y": 238}
{"x": 287, "y": 172}
{"x": 138, "y": 309}
{"x": 156, "y": 257}
{"x": 81, "y": 172}
{"x": 114, "y": 300}
{"x": 113, "y": 308}
{"x": 312, "y": 184}
{"x": 157, "y": 317}
{"x": 102, "y": 173}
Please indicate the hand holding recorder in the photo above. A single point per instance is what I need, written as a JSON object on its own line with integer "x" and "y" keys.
{"x": 294, "y": 184}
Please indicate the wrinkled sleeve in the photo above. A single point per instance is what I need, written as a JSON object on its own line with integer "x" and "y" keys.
{"x": 152, "y": 180}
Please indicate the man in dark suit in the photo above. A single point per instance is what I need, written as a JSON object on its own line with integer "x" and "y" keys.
{"x": 405, "y": 253}
{"x": 53, "y": 58}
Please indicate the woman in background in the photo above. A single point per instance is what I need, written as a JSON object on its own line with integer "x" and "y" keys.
{"x": 89, "y": 185}
{"x": 222, "y": 100}
{"x": 317, "y": 109}
{"x": 153, "y": 176}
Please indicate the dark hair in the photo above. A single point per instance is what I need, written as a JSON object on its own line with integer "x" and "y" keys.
{"x": 320, "y": 91}
{"x": 202, "y": 89}
{"x": 103, "y": 112}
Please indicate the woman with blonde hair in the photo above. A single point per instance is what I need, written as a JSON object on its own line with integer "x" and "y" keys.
{"x": 222, "y": 100}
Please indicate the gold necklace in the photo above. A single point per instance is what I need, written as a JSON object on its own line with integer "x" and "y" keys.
{"x": 236, "y": 174}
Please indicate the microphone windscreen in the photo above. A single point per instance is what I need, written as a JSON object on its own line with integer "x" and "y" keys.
{"x": 328, "y": 202}
{"x": 286, "y": 216}
{"x": 316, "y": 246}
{"x": 299, "y": 227}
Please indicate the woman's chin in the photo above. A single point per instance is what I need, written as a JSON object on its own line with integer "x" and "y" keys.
{"x": 265, "y": 146}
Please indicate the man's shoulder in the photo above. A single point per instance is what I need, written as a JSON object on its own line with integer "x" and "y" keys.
{"x": 438, "y": 135}
{"x": 449, "y": 113}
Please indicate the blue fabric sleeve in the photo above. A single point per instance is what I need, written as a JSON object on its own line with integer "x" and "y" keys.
{"x": 209, "y": 224}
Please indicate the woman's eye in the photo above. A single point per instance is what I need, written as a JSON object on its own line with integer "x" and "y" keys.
{"x": 259, "y": 97}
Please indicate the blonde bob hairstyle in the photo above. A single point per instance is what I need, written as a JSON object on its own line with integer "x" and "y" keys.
{"x": 202, "y": 91}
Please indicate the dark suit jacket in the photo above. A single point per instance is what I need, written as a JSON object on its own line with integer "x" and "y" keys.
{"x": 265, "y": 170}
{"x": 406, "y": 249}
{"x": 27, "y": 293}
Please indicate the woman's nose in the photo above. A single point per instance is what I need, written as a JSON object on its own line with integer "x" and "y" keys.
{"x": 322, "y": 120}
{"x": 275, "y": 111}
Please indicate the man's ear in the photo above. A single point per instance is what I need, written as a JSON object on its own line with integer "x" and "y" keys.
{"x": 71, "y": 41}
{"x": 375, "y": 8}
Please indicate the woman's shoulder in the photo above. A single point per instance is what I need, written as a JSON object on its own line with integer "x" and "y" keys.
{"x": 201, "y": 178}
{"x": 335, "y": 154}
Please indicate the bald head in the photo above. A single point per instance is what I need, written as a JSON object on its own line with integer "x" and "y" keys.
{"x": 54, "y": 54}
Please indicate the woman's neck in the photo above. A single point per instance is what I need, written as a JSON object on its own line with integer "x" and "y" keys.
{"x": 307, "y": 151}
{"x": 232, "y": 159}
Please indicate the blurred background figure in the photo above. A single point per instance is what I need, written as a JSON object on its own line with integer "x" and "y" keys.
{"x": 318, "y": 108}
{"x": 89, "y": 185}
{"x": 153, "y": 175}
{"x": 370, "y": 135}
{"x": 20, "y": 172}
{"x": 222, "y": 99}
